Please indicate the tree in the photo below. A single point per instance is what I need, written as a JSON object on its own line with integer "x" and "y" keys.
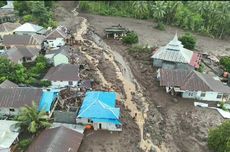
{"x": 188, "y": 40}
{"x": 130, "y": 38}
{"x": 219, "y": 138}
{"x": 158, "y": 10}
{"x": 2, "y": 3}
{"x": 33, "y": 120}
{"x": 225, "y": 61}
{"x": 140, "y": 9}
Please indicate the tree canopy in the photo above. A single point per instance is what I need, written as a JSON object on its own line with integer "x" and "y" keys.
{"x": 208, "y": 17}
{"x": 39, "y": 12}
{"x": 219, "y": 138}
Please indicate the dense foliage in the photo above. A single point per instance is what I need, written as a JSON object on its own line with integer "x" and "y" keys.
{"x": 219, "y": 138}
{"x": 38, "y": 12}
{"x": 208, "y": 17}
{"x": 2, "y": 3}
{"x": 22, "y": 74}
{"x": 225, "y": 62}
{"x": 31, "y": 120}
{"x": 130, "y": 38}
{"x": 188, "y": 40}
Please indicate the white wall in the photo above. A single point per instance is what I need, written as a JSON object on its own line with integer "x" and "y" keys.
{"x": 6, "y": 111}
{"x": 209, "y": 96}
{"x": 56, "y": 42}
{"x": 59, "y": 84}
{"x": 5, "y": 150}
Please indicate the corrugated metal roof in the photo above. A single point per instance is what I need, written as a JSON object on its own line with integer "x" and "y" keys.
{"x": 28, "y": 27}
{"x": 8, "y": 84}
{"x": 100, "y": 106}
{"x": 60, "y": 139}
{"x": 191, "y": 80}
{"x": 174, "y": 52}
{"x": 18, "y": 97}
{"x": 59, "y": 32}
{"x": 8, "y": 27}
{"x": 63, "y": 72}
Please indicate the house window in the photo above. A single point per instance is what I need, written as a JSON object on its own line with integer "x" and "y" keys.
{"x": 202, "y": 94}
{"x": 190, "y": 94}
{"x": 70, "y": 82}
{"x": 12, "y": 110}
{"x": 219, "y": 96}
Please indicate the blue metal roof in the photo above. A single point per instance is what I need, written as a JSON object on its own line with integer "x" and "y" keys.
{"x": 47, "y": 100}
{"x": 100, "y": 107}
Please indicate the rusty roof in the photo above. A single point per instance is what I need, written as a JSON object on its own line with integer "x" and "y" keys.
{"x": 63, "y": 72}
{"x": 18, "y": 97}
{"x": 191, "y": 80}
{"x": 59, "y": 139}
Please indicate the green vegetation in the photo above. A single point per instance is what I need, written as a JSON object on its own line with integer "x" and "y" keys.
{"x": 160, "y": 26}
{"x": 31, "y": 120}
{"x": 225, "y": 62}
{"x": 38, "y": 12}
{"x": 130, "y": 38}
{"x": 30, "y": 73}
{"x": 201, "y": 68}
{"x": 24, "y": 144}
{"x": 139, "y": 48}
{"x": 3, "y": 3}
{"x": 219, "y": 138}
{"x": 207, "y": 17}
{"x": 188, "y": 40}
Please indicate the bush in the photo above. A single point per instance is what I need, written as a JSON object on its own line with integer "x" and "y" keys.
{"x": 45, "y": 83}
{"x": 27, "y": 18}
{"x": 24, "y": 144}
{"x": 201, "y": 68}
{"x": 219, "y": 138}
{"x": 225, "y": 61}
{"x": 130, "y": 38}
{"x": 188, "y": 40}
{"x": 160, "y": 26}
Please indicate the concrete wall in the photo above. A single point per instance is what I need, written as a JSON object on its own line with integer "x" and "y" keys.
{"x": 60, "y": 84}
{"x": 157, "y": 62}
{"x": 59, "y": 59}
{"x": 7, "y": 111}
{"x": 56, "y": 42}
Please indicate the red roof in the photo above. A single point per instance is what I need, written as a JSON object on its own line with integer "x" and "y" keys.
{"x": 195, "y": 61}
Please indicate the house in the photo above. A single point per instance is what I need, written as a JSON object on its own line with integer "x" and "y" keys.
{"x": 99, "y": 110}
{"x": 59, "y": 56}
{"x": 7, "y": 28}
{"x": 63, "y": 75}
{"x": 192, "y": 84}
{"x": 8, "y": 84}
{"x": 8, "y": 7}
{"x": 29, "y": 29}
{"x": 59, "y": 139}
{"x": 8, "y": 135}
{"x": 175, "y": 56}
{"x": 20, "y": 54}
{"x": 12, "y": 99}
{"x": 57, "y": 37}
{"x": 23, "y": 40}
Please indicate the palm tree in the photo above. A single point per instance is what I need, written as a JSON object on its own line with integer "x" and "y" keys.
{"x": 33, "y": 120}
{"x": 140, "y": 9}
{"x": 159, "y": 10}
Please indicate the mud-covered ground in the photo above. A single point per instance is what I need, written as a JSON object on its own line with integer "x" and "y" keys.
{"x": 171, "y": 122}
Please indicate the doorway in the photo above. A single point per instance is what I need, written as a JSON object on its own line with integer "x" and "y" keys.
{"x": 99, "y": 125}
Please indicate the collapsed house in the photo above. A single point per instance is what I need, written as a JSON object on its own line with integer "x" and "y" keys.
{"x": 175, "y": 56}
{"x": 192, "y": 84}
{"x": 63, "y": 75}
{"x": 99, "y": 110}
{"x": 59, "y": 139}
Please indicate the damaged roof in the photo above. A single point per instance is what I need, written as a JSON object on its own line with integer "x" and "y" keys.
{"x": 8, "y": 84}
{"x": 191, "y": 80}
{"x": 59, "y": 139}
{"x": 63, "y": 72}
{"x": 18, "y": 97}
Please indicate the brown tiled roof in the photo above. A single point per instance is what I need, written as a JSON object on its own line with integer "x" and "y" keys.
{"x": 59, "y": 32}
{"x": 191, "y": 80}
{"x": 18, "y": 97}
{"x": 8, "y": 84}
{"x": 63, "y": 72}
{"x": 60, "y": 139}
{"x": 23, "y": 39}
{"x": 8, "y": 27}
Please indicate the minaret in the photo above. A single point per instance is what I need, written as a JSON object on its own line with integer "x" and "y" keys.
{"x": 174, "y": 44}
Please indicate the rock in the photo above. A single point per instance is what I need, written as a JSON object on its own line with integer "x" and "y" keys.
{"x": 174, "y": 100}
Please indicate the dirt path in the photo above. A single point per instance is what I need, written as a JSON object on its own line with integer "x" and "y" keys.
{"x": 153, "y": 37}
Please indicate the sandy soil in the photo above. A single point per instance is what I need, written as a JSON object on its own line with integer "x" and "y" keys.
{"x": 153, "y": 37}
